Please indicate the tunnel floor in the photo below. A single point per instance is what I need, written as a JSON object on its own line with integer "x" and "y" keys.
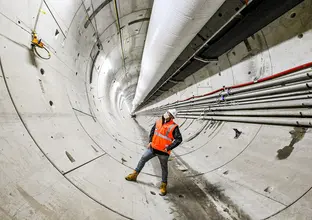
{"x": 186, "y": 199}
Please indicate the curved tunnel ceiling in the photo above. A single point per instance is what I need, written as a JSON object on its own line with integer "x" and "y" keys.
{"x": 67, "y": 138}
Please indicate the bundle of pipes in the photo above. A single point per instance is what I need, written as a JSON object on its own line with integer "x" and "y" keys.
{"x": 282, "y": 100}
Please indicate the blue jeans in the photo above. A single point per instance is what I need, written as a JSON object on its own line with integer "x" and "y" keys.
{"x": 163, "y": 159}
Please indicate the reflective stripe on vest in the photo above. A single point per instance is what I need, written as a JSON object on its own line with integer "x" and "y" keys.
{"x": 169, "y": 129}
{"x": 163, "y": 136}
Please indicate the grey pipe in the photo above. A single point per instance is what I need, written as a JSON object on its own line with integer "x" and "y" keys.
{"x": 306, "y": 75}
{"x": 235, "y": 106}
{"x": 264, "y": 113}
{"x": 293, "y": 88}
{"x": 248, "y": 99}
{"x": 283, "y": 104}
{"x": 278, "y": 90}
{"x": 274, "y": 82}
{"x": 269, "y": 97}
{"x": 224, "y": 104}
{"x": 251, "y": 98}
{"x": 305, "y": 95}
{"x": 266, "y": 120}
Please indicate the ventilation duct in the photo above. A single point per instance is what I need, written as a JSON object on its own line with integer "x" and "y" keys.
{"x": 172, "y": 26}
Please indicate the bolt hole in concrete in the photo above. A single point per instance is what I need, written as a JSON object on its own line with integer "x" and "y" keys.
{"x": 292, "y": 15}
{"x": 220, "y": 14}
{"x": 51, "y": 136}
{"x": 56, "y": 34}
{"x": 19, "y": 22}
{"x": 268, "y": 189}
{"x": 237, "y": 133}
{"x": 42, "y": 71}
{"x": 76, "y": 73}
{"x": 51, "y": 103}
{"x": 300, "y": 36}
{"x": 249, "y": 72}
{"x": 234, "y": 53}
{"x": 226, "y": 172}
{"x": 70, "y": 157}
{"x": 181, "y": 196}
{"x": 153, "y": 193}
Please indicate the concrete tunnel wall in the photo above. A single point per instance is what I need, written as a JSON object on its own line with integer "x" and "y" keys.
{"x": 66, "y": 145}
{"x": 247, "y": 168}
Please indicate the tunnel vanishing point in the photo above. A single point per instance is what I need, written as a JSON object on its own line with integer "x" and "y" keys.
{"x": 83, "y": 81}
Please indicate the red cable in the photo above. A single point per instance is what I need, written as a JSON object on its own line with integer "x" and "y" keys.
{"x": 283, "y": 73}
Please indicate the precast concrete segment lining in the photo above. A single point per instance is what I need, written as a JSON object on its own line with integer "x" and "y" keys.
{"x": 96, "y": 11}
{"x": 276, "y": 55}
{"x": 265, "y": 172}
{"x": 49, "y": 214}
{"x": 47, "y": 157}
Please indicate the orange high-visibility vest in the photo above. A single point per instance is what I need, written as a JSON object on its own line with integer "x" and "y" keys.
{"x": 163, "y": 136}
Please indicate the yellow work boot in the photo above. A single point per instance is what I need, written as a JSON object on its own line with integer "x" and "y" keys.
{"x": 132, "y": 176}
{"x": 163, "y": 189}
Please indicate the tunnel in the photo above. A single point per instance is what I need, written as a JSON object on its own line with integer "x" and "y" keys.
{"x": 82, "y": 82}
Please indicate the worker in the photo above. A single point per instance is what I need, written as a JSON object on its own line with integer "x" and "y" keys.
{"x": 164, "y": 137}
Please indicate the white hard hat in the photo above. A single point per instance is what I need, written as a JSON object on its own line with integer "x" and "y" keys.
{"x": 173, "y": 112}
